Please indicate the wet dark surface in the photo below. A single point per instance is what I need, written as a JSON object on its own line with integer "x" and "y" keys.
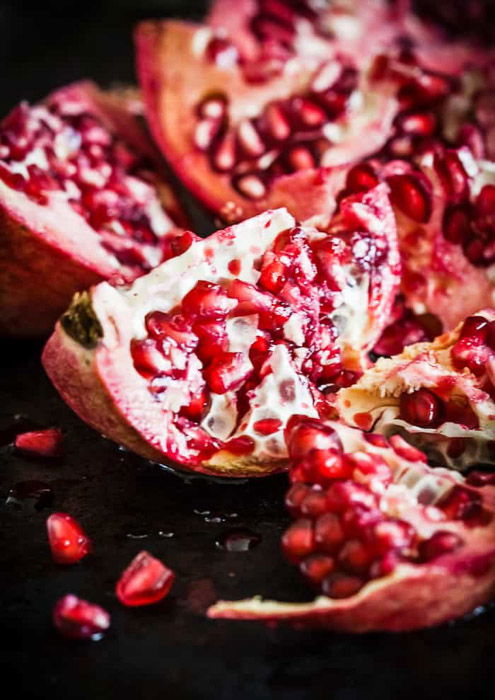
{"x": 125, "y": 504}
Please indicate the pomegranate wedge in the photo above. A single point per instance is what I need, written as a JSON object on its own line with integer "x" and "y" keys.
{"x": 439, "y": 395}
{"x": 80, "y": 201}
{"x": 389, "y": 542}
{"x": 202, "y": 361}
{"x": 248, "y": 118}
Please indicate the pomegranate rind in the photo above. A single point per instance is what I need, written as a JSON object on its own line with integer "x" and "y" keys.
{"x": 166, "y": 83}
{"x": 428, "y": 365}
{"x": 34, "y": 247}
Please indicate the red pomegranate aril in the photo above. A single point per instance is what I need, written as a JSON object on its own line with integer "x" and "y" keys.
{"x": 207, "y": 300}
{"x": 422, "y": 408}
{"x": 308, "y": 114}
{"x": 485, "y": 201}
{"x": 196, "y": 408}
{"x": 393, "y": 535}
{"x": 68, "y": 541}
{"x": 474, "y": 326}
{"x": 40, "y": 443}
{"x": 13, "y": 180}
{"x": 145, "y": 581}
{"x": 339, "y": 585}
{"x": 276, "y": 122}
{"x": 75, "y": 618}
{"x": 441, "y": 542}
{"x": 147, "y": 358}
{"x": 316, "y": 567}
{"x": 213, "y": 339}
{"x": 295, "y": 497}
{"x": 461, "y": 504}
{"x": 346, "y": 494}
{"x": 369, "y": 469}
{"x": 205, "y": 133}
{"x": 250, "y": 299}
{"x": 222, "y": 52}
{"x": 273, "y": 276}
{"x": 361, "y": 177}
{"x": 490, "y": 335}
{"x": 227, "y": 371}
{"x": 458, "y": 410}
{"x": 452, "y": 174}
{"x": 410, "y": 196}
{"x": 479, "y": 478}
{"x": 298, "y": 540}
{"x": 376, "y": 439}
{"x": 327, "y": 465}
{"x": 472, "y": 353}
{"x": 329, "y": 532}
{"x": 242, "y": 445}
{"x": 314, "y": 504}
{"x": 456, "y": 225}
{"x": 305, "y": 434}
{"x": 175, "y": 326}
{"x": 405, "y": 450}
{"x": 251, "y": 186}
{"x": 355, "y": 557}
{"x": 249, "y": 139}
{"x": 267, "y": 426}
{"x": 418, "y": 123}
{"x": 301, "y": 158}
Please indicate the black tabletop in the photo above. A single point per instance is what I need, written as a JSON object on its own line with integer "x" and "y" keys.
{"x": 168, "y": 650}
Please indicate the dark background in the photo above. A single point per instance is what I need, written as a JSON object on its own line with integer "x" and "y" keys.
{"x": 169, "y": 650}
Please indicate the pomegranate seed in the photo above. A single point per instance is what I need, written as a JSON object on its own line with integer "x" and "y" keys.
{"x": 276, "y": 123}
{"x": 144, "y": 582}
{"x": 213, "y": 339}
{"x": 456, "y": 225}
{"x": 458, "y": 410}
{"x": 196, "y": 408}
{"x": 355, "y": 557}
{"x": 392, "y": 535}
{"x": 485, "y": 201}
{"x": 405, "y": 450}
{"x": 419, "y": 123}
{"x": 304, "y": 434}
{"x": 75, "y": 618}
{"x": 295, "y": 497}
{"x": 224, "y": 155}
{"x": 329, "y": 533}
{"x": 249, "y": 139}
{"x": 208, "y": 301}
{"x": 451, "y": 172}
{"x": 298, "y": 540}
{"x": 361, "y": 178}
{"x": 40, "y": 443}
{"x": 147, "y": 358}
{"x": 470, "y": 352}
{"x": 267, "y": 426}
{"x": 301, "y": 158}
{"x": 13, "y": 180}
{"x": 68, "y": 541}
{"x": 442, "y": 542}
{"x": 369, "y": 469}
{"x": 250, "y": 300}
{"x": 474, "y": 326}
{"x": 251, "y": 186}
{"x": 243, "y": 445}
{"x": 227, "y": 371}
{"x": 327, "y": 465}
{"x": 316, "y": 567}
{"x": 308, "y": 113}
{"x": 478, "y": 478}
{"x": 222, "y": 52}
{"x": 205, "y": 133}
{"x": 376, "y": 439}
{"x": 175, "y": 326}
{"x": 422, "y": 408}
{"x": 461, "y": 504}
{"x": 411, "y": 196}
{"x": 346, "y": 494}
{"x": 490, "y": 336}
{"x": 339, "y": 585}
{"x": 314, "y": 504}
{"x": 273, "y": 276}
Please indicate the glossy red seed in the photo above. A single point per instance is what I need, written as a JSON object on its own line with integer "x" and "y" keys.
{"x": 361, "y": 178}
{"x": 267, "y": 426}
{"x": 405, "y": 450}
{"x": 298, "y": 540}
{"x": 410, "y": 196}
{"x": 474, "y": 326}
{"x": 355, "y": 557}
{"x": 490, "y": 335}
{"x": 316, "y": 567}
{"x": 442, "y": 542}
{"x": 369, "y": 469}
{"x": 338, "y": 585}
{"x": 457, "y": 225}
{"x": 472, "y": 353}
{"x": 304, "y": 434}
{"x": 227, "y": 371}
{"x": 243, "y": 445}
{"x": 392, "y": 534}
{"x": 461, "y": 504}
{"x": 314, "y": 504}
{"x": 145, "y": 581}
{"x": 295, "y": 497}
{"x": 40, "y": 443}
{"x": 376, "y": 439}
{"x": 273, "y": 276}
{"x": 75, "y": 618}
{"x": 207, "y": 300}
{"x": 329, "y": 532}
{"x": 421, "y": 407}
{"x": 343, "y": 495}
{"x": 68, "y": 541}
{"x": 485, "y": 202}
{"x": 479, "y": 478}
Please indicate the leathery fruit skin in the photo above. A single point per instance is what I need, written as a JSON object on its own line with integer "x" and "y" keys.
{"x": 74, "y": 207}
{"x": 414, "y": 546}
{"x": 187, "y": 364}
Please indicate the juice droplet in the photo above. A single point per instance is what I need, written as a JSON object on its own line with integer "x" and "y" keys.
{"x": 38, "y": 492}
{"x": 238, "y": 540}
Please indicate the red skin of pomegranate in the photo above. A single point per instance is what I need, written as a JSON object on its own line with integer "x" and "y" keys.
{"x": 104, "y": 377}
{"x": 49, "y": 251}
{"x": 446, "y": 571}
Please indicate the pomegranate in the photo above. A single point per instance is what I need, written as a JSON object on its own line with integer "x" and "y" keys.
{"x": 68, "y": 541}
{"x": 145, "y": 581}
{"x": 439, "y": 396}
{"x": 389, "y": 542}
{"x": 202, "y": 361}
{"x": 80, "y": 201}
{"x": 40, "y": 443}
{"x": 257, "y": 104}
{"x": 75, "y": 618}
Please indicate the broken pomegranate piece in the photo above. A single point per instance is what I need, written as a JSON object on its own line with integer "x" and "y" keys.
{"x": 68, "y": 541}
{"x": 81, "y": 200}
{"x": 145, "y": 581}
{"x": 202, "y": 361}
{"x": 389, "y": 542}
{"x": 75, "y": 618}
{"x": 40, "y": 443}
{"x": 440, "y": 396}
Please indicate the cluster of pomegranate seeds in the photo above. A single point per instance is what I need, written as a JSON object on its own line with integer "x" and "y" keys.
{"x": 475, "y": 348}
{"x": 62, "y": 152}
{"x": 40, "y": 443}
{"x": 346, "y": 531}
{"x": 68, "y": 541}
{"x": 145, "y": 581}
{"x": 287, "y": 136}
{"x": 75, "y": 618}
{"x": 426, "y": 409}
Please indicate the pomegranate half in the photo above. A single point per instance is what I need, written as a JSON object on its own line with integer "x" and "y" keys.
{"x": 202, "y": 361}
{"x": 389, "y": 542}
{"x": 439, "y": 396}
{"x": 80, "y": 201}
